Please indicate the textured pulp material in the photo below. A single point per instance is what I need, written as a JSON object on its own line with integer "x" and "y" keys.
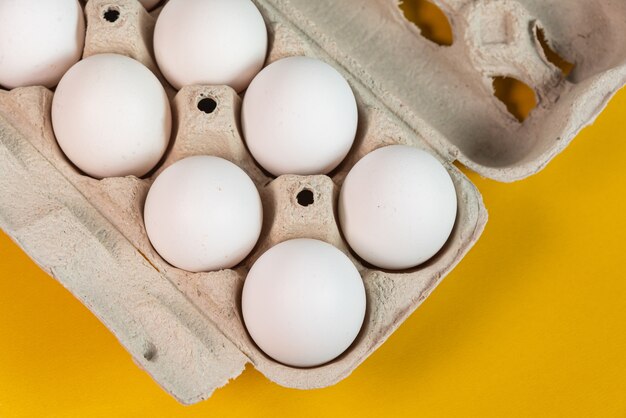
{"x": 185, "y": 329}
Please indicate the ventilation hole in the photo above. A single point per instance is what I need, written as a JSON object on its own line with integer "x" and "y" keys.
{"x": 518, "y": 97}
{"x": 207, "y": 105}
{"x": 305, "y": 198}
{"x": 149, "y": 351}
{"x": 111, "y": 15}
{"x": 430, "y": 19}
{"x": 564, "y": 65}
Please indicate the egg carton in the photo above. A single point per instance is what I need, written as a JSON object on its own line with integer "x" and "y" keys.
{"x": 186, "y": 329}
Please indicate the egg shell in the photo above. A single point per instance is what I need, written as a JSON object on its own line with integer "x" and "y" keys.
{"x": 397, "y": 207}
{"x": 111, "y": 116}
{"x": 203, "y": 213}
{"x": 39, "y": 41}
{"x": 210, "y": 42}
{"x": 299, "y": 116}
{"x": 89, "y": 233}
{"x": 303, "y": 302}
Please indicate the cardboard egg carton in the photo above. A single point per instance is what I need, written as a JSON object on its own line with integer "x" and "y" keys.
{"x": 186, "y": 329}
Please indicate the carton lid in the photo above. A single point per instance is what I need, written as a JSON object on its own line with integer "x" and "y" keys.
{"x": 446, "y": 94}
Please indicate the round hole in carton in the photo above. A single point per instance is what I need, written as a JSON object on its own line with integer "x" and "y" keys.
{"x": 305, "y": 197}
{"x": 207, "y": 105}
{"x": 111, "y": 14}
{"x": 149, "y": 352}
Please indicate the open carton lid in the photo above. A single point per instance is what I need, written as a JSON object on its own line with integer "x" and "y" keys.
{"x": 445, "y": 93}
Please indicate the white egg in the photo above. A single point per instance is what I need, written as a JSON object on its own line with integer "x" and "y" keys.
{"x": 210, "y": 42}
{"x": 397, "y": 207}
{"x": 39, "y": 41}
{"x": 303, "y": 302}
{"x": 111, "y": 116}
{"x": 299, "y": 116}
{"x": 203, "y": 213}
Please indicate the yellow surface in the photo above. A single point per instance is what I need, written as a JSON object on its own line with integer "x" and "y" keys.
{"x": 531, "y": 324}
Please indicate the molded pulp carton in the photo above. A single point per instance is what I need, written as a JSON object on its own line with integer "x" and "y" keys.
{"x": 186, "y": 329}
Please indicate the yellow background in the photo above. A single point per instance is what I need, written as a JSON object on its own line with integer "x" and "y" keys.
{"x": 531, "y": 324}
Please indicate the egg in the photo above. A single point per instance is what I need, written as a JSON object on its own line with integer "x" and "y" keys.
{"x": 39, "y": 41}
{"x": 203, "y": 213}
{"x": 210, "y": 42}
{"x": 303, "y": 302}
{"x": 299, "y": 116}
{"x": 397, "y": 207}
{"x": 111, "y": 116}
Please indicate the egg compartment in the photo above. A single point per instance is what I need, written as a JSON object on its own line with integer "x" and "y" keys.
{"x": 185, "y": 328}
